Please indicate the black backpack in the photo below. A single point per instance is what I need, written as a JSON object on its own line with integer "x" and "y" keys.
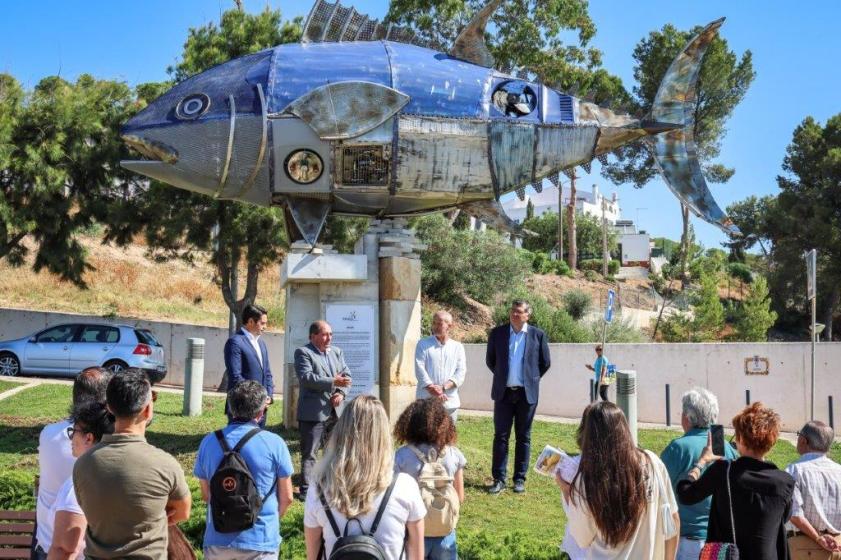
{"x": 357, "y": 547}
{"x": 234, "y": 501}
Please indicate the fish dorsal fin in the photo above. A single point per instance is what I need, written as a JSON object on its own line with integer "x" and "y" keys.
{"x": 470, "y": 44}
{"x": 330, "y": 22}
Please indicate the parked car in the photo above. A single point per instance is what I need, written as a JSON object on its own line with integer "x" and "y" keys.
{"x": 67, "y": 349}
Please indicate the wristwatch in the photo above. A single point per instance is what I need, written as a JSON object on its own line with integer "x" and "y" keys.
{"x": 699, "y": 465}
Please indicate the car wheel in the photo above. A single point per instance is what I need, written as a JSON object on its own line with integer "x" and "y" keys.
{"x": 115, "y": 366}
{"x": 9, "y": 365}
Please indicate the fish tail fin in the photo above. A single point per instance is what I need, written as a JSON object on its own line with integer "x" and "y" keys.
{"x": 674, "y": 150}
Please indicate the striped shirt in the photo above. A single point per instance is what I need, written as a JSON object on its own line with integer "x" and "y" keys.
{"x": 817, "y": 491}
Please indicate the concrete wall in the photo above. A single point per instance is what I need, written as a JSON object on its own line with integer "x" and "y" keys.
{"x": 16, "y": 323}
{"x": 564, "y": 389}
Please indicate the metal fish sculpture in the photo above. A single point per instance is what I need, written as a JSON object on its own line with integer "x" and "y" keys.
{"x": 358, "y": 120}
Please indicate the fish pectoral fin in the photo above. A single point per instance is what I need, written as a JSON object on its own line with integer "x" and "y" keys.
{"x": 492, "y": 213}
{"x": 470, "y": 44}
{"x": 343, "y": 110}
{"x": 309, "y": 216}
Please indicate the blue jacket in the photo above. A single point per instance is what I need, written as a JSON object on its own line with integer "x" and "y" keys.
{"x": 536, "y": 361}
{"x": 242, "y": 363}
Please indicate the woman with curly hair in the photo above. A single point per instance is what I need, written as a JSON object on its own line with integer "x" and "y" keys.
{"x": 351, "y": 481}
{"x": 429, "y": 433}
{"x": 617, "y": 500}
{"x": 759, "y": 492}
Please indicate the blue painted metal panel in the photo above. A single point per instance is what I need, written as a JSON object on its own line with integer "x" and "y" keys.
{"x": 236, "y": 77}
{"x": 300, "y": 68}
{"x": 438, "y": 84}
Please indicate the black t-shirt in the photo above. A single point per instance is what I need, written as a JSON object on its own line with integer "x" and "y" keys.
{"x": 761, "y": 495}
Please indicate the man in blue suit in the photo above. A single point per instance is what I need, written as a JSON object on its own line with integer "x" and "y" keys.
{"x": 518, "y": 356}
{"x": 247, "y": 357}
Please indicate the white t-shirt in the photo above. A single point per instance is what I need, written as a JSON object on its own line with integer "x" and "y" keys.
{"x": 404, "y": 505}
{"x": 648, "y": 541}
{"x": 65, "y": 500}
{"x": 55, "y": 459}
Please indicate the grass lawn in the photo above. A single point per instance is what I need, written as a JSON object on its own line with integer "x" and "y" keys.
{"x": 505, "y": 527}
{"x": 6, "y": 385}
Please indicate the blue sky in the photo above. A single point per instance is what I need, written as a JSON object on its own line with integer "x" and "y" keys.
{"x": 796, "y": 50}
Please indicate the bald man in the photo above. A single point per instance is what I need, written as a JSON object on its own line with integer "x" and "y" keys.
{"x": 324, "y": 380}
{"x": 440, "y": 364}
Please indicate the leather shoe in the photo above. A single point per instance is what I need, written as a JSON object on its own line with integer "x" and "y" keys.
{"x": 497, "y": 487}
{"x": 519, "y": 486}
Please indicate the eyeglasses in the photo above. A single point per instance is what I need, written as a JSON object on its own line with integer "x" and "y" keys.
{"x": 71, "y": 430}
{"x": 154, "y": 395}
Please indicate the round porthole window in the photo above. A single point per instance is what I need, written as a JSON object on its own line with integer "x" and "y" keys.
{"x": 514, "y": 98}
{"x": 193, "y": 106}
{"x": 304, "y": 166}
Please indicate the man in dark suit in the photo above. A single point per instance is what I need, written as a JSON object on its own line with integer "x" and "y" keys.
{"x": 324, "y": 379}
{"x": 518, "y": 356}
{"x": 247, "y": 357}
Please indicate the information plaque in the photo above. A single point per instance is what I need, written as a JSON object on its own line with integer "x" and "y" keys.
{"x": 354, "y": 331}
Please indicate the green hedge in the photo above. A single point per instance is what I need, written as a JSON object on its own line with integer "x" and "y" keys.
{"x": 596, "y": 265}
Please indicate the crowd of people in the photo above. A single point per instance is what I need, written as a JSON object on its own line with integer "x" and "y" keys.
{"x": 106, "y": 493}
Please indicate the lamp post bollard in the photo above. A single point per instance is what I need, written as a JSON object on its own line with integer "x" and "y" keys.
{"x": 193, "y": 377}
{"x": 626, "y": 398}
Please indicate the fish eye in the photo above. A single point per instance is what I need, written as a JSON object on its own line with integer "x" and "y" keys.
{"x": 193, "y": 106}
{"x": 514, "y": 99}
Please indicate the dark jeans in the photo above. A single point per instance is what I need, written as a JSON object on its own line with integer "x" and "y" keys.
{"x": 313, "y": 437}
{"x": 603, "y": 392}
{"x": 512, "y": 409}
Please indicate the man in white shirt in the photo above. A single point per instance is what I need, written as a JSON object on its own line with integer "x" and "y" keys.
{"x": 440, "y": 364}
{"x": 55, "y": 458}
{"x": 816, "y": 504}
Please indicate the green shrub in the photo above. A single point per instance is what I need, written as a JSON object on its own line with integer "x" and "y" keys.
{"x": 596, "y": 265}
{"x": 591, "y": 275}
{"x": 17, "y": 490}
{"x": 562, "y": 268}
{"x": 557, "y": 323}
{"x": 619, "y": 330}
{"x": 740, "y": 271}
{"x": 577, "y": 303}
{"x": 481, "y": 265}
{"x": 426, "y": 320}
{"x": 657, "y": 282}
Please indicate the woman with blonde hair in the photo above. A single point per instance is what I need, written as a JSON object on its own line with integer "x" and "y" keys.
{"x": 352, "y": 481}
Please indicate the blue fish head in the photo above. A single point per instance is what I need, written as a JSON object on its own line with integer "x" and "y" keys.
{"x": 188, "y": 135}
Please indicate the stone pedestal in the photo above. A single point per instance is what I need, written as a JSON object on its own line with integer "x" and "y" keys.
{"x": 384, "y": 275}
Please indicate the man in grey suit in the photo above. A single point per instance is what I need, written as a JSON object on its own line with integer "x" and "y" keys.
{"x": 324, "y": 379}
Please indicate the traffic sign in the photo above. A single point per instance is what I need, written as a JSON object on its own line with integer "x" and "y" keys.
{"x": 608, "y": 312}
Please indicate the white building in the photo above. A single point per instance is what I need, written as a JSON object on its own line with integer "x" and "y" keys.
{"x": 589, "y": 203}
{"x": 634, "y": 247}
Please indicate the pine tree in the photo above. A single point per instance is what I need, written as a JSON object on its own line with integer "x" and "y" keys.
{"x": 756, "y": 316}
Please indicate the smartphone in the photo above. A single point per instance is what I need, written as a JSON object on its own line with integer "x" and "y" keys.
{"x": 717, "y": 432}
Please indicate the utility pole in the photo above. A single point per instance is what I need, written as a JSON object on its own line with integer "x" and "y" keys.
{"x": 573, "y": 245}
{"x": 560, "y": 220}
{"x": 811, "y": 293}
{"x": 605, "y": 254}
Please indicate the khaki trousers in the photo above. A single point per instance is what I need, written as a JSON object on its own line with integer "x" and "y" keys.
{"x": 804, "y": 548}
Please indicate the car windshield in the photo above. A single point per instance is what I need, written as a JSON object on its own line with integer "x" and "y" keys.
{"x": 146, "y": 337}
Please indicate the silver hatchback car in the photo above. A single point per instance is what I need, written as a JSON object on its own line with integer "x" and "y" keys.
{"x": 65, "y": 350}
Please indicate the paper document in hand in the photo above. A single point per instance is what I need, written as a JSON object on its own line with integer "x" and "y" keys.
{"x": 548, "y": 460}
